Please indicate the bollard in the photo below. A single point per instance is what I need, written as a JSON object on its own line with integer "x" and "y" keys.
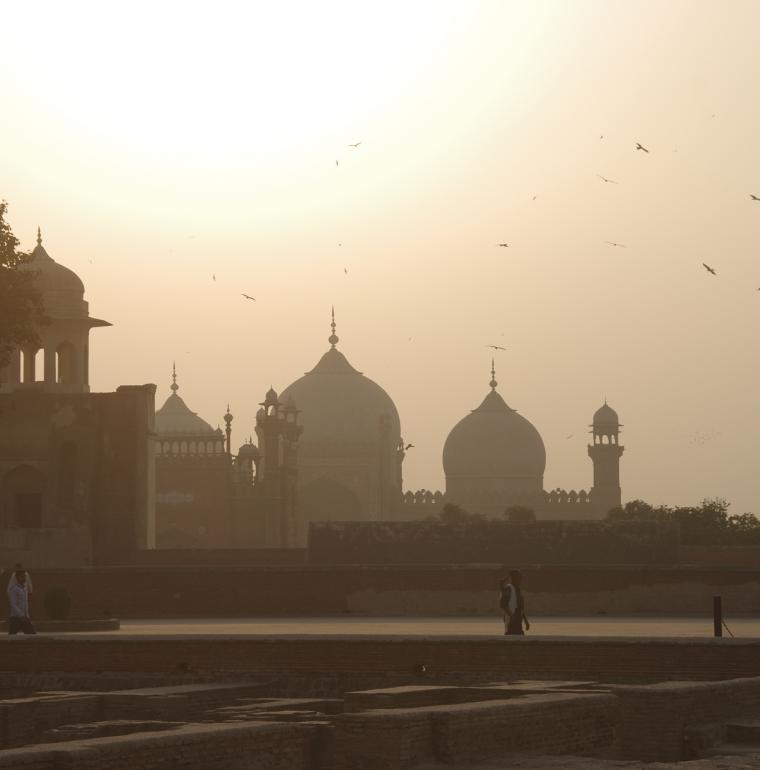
{"x": 717, "y": 616}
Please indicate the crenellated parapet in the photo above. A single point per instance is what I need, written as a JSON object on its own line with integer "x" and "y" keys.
{"x": 561, "y": 497}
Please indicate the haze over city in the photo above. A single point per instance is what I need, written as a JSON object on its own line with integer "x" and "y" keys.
{"x": 177, "y": 156}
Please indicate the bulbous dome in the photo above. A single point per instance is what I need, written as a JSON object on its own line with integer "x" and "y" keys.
{"x": 339, "y": 406}
{"x": 494, "y": 442}
{"x": 62, "y": 289}
{"x": 606, "y": 417}
{"x": 249, "y": 450}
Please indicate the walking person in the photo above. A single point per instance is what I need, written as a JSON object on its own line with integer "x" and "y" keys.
{"x": 18, "y": 598}
{"x": 512, "y": 603}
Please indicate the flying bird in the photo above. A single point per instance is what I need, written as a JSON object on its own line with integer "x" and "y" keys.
{"x": 612, "y": 243}
{"x": 354, "y": 145}
{"x": 534, "y": 197}
{"x": 709, "y": 269}
{"x": 213, "y": 277}
{"x": 503, "y": 245}
{"x": 409, "y": 446}
{"x": 570, "y": 436}
{"x": 640, "y": 146}
{"x": 495, "y": 347}
{"x": 336, "y": 162}
{"x": 248, "y": 296}
{"x": 345, "y": 270}
{"x": 604, "y": 179}
{"x": 754, "y": 197}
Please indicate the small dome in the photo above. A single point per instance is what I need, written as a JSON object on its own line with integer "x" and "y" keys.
{"x": 176, "y": 417}
{"x": 249, "y": 450}
{"x": 271, "y": 396}
{"x": 606, "y": 416}
{"x": 494, "y": 442}
{"x": 62, "y": 289}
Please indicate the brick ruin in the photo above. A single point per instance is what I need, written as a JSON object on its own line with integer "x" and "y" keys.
{"x": 387, "y": 704}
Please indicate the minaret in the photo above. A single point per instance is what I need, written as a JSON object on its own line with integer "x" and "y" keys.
{"x": 605, "y": 453}
{"x": 228, "y": 429}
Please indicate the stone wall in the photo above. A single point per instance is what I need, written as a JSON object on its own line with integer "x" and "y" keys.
{"x": 328, "y": 665}
{"x": 655, "y": 719}
{"x": 492, "y": 540}
{"x": 251, "y": 746}
{"x": 383, "y": 590}
{"x": 458, "y": 733}
{"x": 166, "y": 557}
{"x": 79, "y": 466}
{"x": 721, "y": 555}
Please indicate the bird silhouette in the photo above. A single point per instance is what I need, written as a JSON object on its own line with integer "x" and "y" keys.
{"x": 754, "y": 197}
{"x": 612, "y": 243}
{"x": 495, "y": 347}
{"x": 336, "y": 162}
{"x": 570, "y": 436}
{"x": 409, "y": 446}
{"x": 604, "y": 179}
{"x": 709, "y": 269}
{"x": 248, "y": 296}
{"x": 354, "y": 145}
{"x": 345, "y": 270}
{"x": 213, "y": 277}
{"x": 640, "y": 146}
{"x": 503, "y": 245}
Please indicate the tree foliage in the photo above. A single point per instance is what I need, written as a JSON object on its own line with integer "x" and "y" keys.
{"x": 706, "y": 524}
{"x": 452, "y": 514}
{"x": 21, "y": 309}
{"x": 520, "y": 513}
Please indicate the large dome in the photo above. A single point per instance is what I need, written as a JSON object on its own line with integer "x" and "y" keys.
{"x": 494, "y": 442}
{"x": 338, "y": 406}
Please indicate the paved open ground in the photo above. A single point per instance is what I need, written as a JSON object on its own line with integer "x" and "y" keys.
{"x": 448, "y": 626}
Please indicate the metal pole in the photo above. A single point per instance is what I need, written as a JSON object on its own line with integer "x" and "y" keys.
{"x": 717, "y": 616}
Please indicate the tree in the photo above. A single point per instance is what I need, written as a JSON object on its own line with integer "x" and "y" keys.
{"x": 705, "y": 524}
{"x": 520, "y": 513}
{"x": 21, "y": 309}
{"x": 453, "y": 514}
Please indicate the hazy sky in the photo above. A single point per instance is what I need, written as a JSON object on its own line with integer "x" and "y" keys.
{"x": 160, "y": 143}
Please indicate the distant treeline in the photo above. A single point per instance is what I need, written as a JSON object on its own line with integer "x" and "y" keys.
{"x": 705, "y": 524}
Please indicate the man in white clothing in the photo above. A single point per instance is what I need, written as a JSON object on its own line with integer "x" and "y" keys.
{"x": 28, "y": 581}
{"x": 18, "y": 599}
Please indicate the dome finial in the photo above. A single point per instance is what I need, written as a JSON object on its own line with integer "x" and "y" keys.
{"x": 39, "y": 236}
{"x": 333, "y": 338}
{"x": 493, "y": 382}
{"x": 174, "y": 386}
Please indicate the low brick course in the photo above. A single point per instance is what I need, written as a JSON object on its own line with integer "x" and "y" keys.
{"x": 555, "y": 723}
{"x": 250, "y": 746}
{"x": 655, "y": 718}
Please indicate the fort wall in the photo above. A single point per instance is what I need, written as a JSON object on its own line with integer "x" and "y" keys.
{"x": 218, "y": 590}
{"x": 331, "y": 665}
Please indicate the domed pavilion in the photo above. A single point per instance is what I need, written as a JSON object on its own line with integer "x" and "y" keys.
{"x": 61, "y": 364}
